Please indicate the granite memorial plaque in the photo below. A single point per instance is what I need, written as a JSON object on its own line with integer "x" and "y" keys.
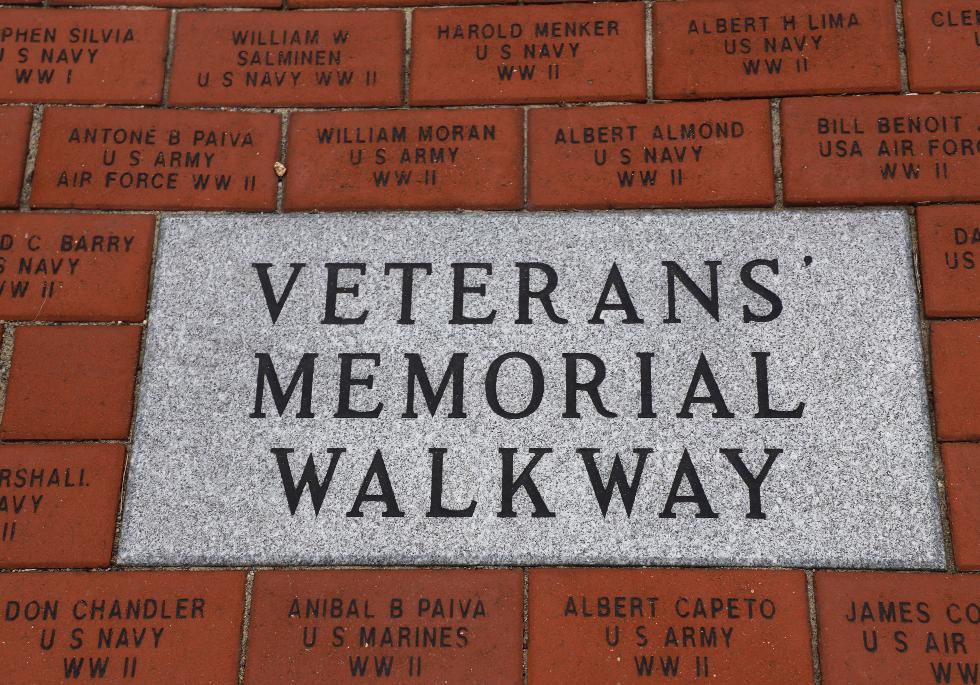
{"x": 501, "y": 388}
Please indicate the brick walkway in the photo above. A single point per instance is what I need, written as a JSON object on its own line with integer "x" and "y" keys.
{"x": 114, "y": 116}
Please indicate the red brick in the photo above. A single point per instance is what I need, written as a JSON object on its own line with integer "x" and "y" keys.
{"x": 956, "y": 378}
{"x": 942, "y": 42}
{"x": 207, "y": 52}
{"x": 91, "y": 56}
{"x": 450, "y": 71}
{"x": 287, "y": 645}
{"x": 75, "y": 267}
{"x": 389, "y": 3}
{"x": 962, "y": 467}
{"x": 574, "y": 613}
{"x": 175, "y": 3}
{"x": 568, "y": 168}
{"x": 815, "y": 163}
{"x": 22, "y": 2}
{"x": 59, "y": 504}
{"x": 71, "y": 383}
{"x": 487, "y": 171}
{"x": 705, "y": 48}
{"x": 852, "y": 612}
{"x": 949, "y": 255}
{"x": 245, "y": 147}
{"x": 192, "y": 622}
{"x": 15, "y": 129}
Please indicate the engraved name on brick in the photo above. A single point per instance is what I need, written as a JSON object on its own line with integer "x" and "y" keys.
{"x": 942, "y": 41}
{"x": 567, "y": 53}
{"x": 707, "y": 48}
{"x": 58, "y": 504}
{"x": 299, "y": 58}
{"x": 153, "y": 627}
{"x": 399, "y": 159}
{"x": 73, "y": 267}
{"x": 447, "y": 626}
{"x": 890, "y": 148}
{"x": 669, "y": 155}
{"x": 897, "y": 628}
{"x": 683, "y": 626}
{"x": 83, "y": 56}
{"x": 156, "y": 159}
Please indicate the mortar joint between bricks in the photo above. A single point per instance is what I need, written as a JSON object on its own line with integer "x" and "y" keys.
{"x": 37, "y": 114}
{"x": 926, "y": 343}
{"x": 407, "y": 66}
{"x": 777, "y": 151}
{"x": 811, "y": 601}
{"x": 124, "y": 481}
{"x": 648, "y": 47}
{"x": 169, "y": 59}
{"x": 903, "y": 63}
{"x": 246, "y": 620}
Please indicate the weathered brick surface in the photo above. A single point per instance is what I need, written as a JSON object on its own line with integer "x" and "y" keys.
{"x": 566, "y": 53}
{"x": 74, "y": 267}
{"x": 406, "y": 159}
{"x": 71, "y": 383}
{"x": 942, "y": 42}
{"x": 891, "y": 149}
{"x": 230, "y": 4}
{"x": 896, "y": 627}
{"x": 152, "y": 627}
{"x": 84, "y": 56}
{"x": 15, "y": 127}
{"x": 388, "y": 3}
{"x": 449, "y": 626}
{"x": 156, "y": 159}
{"x": 729, "y": 48}
{"x": 59, "y": 504}
{"x": 691, "y": 626}
{"x": 962, "y": 469}
{"x": 956, "y": 378}
{"x": 949, "y": 256}
{"x": 646, "y": 156}
{"x": 300, "y": 58}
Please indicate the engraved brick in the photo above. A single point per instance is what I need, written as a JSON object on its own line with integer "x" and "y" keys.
{"x": 896, "y": 627}
{"x": 689, "y": 626}
{"x": 949, "y": 255}
{"x": 956, "y": 378}
{"x": 15, "y": 129}
{"x": 567, "y": 53}
{"x": 152, "y": 627}
{"x": 83, "y": 56}
{"x": 71, "y": 383}
{"x": 889, "y": 148}
{"x": 74, "y": 267}
{"x": 712, "y": 48}
{"x": 59, "y": 504}
{"x": 448, "y": 626}
{"x": 406, "y": 159}
{"x": 962, "y": 469}
{"x": 942, "y": 42}
{"x": 296, "y": 58}
{"x": 647, "y": 156}
{"x": 156, "y": 159}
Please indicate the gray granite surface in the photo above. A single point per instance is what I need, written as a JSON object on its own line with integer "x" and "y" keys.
{"x": 854, "y": 484}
